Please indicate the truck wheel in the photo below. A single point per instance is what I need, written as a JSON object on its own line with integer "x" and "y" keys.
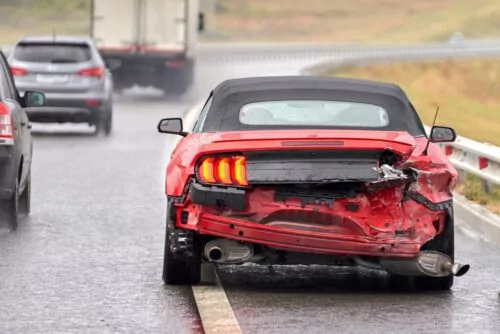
{"x": 25, "y": 198}
{"x": 10, "y": 207}
{"x": 176, "y": 82}
{"x": 445, "y": 243}
{"x": 182, "y": 257}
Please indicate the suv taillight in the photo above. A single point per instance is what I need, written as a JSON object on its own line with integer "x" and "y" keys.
{"x": 224, "y": 170}
{"x": 95, "y": 72}
{"x": 6, "y": 128}
{"x": 16, "y": 71}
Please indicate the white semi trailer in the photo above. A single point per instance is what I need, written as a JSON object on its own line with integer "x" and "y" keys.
{"x": 148, "y": 42}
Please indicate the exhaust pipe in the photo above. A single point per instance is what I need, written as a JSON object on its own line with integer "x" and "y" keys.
{"x": 228, "y": 251}
{"x": 437, "y": 264}
{"x": 427, "y": 263}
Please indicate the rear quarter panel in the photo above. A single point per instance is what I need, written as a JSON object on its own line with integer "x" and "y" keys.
{"x": 437, "y": 176}
{"x": 178, "y": 172}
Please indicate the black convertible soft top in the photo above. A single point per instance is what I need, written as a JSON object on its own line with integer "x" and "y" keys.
{"x": 230, "y": 95}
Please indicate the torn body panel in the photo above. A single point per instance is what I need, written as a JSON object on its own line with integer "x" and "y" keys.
{"x": 336, "y": 220}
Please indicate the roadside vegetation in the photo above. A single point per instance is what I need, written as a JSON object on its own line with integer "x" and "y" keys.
{"x": 470, "y": 187}
{"x": 363, "y": 21}
{"x": 466, "y": 91}
{"x": 19, "y": 18}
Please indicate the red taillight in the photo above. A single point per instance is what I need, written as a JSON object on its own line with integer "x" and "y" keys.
{"x": 16, "y": 71}
{"x": 6, "y": 128}
{"x": 95, "y": 72}
{"x": 483, "y": 163}
{"x": 223, "y": 170}
{"x": 92, "y": 103}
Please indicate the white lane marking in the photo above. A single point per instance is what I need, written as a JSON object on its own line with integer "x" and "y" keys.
{"x": 215, "y": 311}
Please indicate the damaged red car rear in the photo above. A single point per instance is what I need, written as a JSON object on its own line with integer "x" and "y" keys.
{"x": 310, "y": 170}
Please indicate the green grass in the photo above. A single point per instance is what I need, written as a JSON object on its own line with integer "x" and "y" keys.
{"x": 465, "y": 90}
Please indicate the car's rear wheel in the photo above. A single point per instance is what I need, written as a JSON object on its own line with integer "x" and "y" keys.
{"x": 182, "y": 256}
{"x": 108, "y": 124}
{"x": 104, "y": 125}
{"x": 444, "y": 243}
{"x": 10, "y": 208}
{"x": 25, "y": 197}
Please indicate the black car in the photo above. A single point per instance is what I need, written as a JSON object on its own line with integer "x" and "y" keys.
{"x": 16, "y": 146}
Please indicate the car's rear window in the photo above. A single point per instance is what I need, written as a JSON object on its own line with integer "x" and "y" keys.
{"x": 314, "y": 113}
{"x": 52, "y": 53}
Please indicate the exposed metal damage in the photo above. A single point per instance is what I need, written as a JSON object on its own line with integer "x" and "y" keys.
{"x": 388, "y": 173}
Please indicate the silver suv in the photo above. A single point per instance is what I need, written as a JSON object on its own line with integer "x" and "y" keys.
{"x": 73, "y": 76}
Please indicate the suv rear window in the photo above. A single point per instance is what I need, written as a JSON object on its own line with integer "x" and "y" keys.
{"x": 52, "y": 53}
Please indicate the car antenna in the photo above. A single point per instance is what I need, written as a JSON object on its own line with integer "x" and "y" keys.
{"x": 53, "y": 36}
{"x": 429, "y": 139}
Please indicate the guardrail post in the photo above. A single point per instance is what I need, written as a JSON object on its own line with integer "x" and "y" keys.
{"x": 485, "y": 185}
{"x": 462, "y": 176}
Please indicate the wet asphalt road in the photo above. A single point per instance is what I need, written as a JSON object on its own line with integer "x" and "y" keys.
{"x": 89, "y": 257}
{"x": 335, "y": 300}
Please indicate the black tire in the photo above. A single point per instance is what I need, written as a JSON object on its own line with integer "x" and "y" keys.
{"x": 445, "y": 243}
{"x": 401, "y": 283}
{"x": 182, "y": 267}
{"x": 25, "y": 198}
{"x": 10, "y": 208}
{"x": 97, "y": 128}
{"x": 108, "y": 124}
{"x": 177, "y": 83}
{"x": 104, "y": 125}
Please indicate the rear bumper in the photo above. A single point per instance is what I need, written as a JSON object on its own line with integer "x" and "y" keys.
{"x": 231, "y": 198}
{"x": 61, "y": 115}
{"x": 305, "y": 241}
{"x": 74, "y": 108}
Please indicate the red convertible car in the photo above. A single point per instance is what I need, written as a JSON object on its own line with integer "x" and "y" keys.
{"x": 310, "y": 170}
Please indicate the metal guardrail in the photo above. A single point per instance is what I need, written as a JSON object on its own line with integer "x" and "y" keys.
{"x": 472, "y": 157}
{"x": 234, "y": 52}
